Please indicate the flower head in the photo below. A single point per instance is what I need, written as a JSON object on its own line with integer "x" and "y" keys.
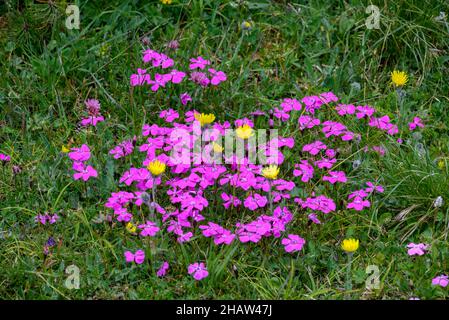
{"x": 399, "y": 78}
{"x": 270, "y": 172}
{"x": 217, "y": 148}
{"x": 198, "y": 270}
{"x": 350, "y": 245}
{"x": 244, "y": 132}
{"x": 204, "y": 118}
{"x": 132, "y": 228}
{"x": 156, "y": 167}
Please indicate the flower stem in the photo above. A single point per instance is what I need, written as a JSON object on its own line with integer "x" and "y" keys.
{"x": 348, "y": 284}
{"x": 270, "y": 197}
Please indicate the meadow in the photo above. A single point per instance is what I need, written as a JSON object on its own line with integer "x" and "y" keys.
{"x": 352, "y": 202}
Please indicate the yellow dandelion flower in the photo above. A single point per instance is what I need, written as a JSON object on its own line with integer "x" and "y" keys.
{"x": 166, "y": 1}
{"x": 244, "y": 132}
{"x": 350, "y": 245}
{"x": 156, "y": 167}
{"x": 399, "y": 78}
{"x": 204, "y": 118}
{"x": 217, "y": 147}
{"x": 271, "y": 172}
{"x": 131, "y": 227}
{"x": 441, "y": 164}
{"x": 64, "y": 149}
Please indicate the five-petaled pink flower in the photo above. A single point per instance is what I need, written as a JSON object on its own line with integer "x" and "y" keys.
{"x": 137, "y": 257}
{"x": 442, "y": 281}
{"x": 416, "y": 249}
{"x": 293, "y": 243}
{"x": 198, "y": 270}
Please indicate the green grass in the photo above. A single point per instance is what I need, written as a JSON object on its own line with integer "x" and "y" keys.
{"x": 294, "y": 49}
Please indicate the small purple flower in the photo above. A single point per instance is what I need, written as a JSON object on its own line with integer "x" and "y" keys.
{"x": 293, "y": 243}
{"x": 198, "y": 270}
{"x": 441, "y": 281}
{"x": 185, "y": 97}
{"x": 416, "y": 249}
{"x": 163, "y": 269}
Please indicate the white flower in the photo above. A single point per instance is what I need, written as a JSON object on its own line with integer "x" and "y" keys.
{"x": 438, "y": 202}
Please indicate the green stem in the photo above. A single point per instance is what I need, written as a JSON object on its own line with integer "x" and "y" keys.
{"x": 270, "y": 197}
{"x": 348, "y": 285}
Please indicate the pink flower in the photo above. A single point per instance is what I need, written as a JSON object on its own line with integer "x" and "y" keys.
{"x": 148, "y": 229}
{"x": 137, "y": 257}
{"x": 44, "y": 218}
{"x": 358, "y": 204}
{"x": 289, "y": 104}
{"x": 255, "y": 202}
{"x": 198, "y": 270}
{"x": 92, "y": 121}
{"x": 169, "y": 115}
{"x": 184, "y": 237}
{"x": 335, "y": 176}
{"x": 314, "y": 148}
{"x": 185, "y": 97}
{"x": 372, "y": 188}
{"x": 441, "y": 281}
{"x": 200, "y": 78}
{"x": 84, "y": 173}
{"x": 312, "y": 217}
{"x": 364, "y": 111}
{"x": 160, "y": 80}
{"x": 139, "y": 78}
{"x": 149, "y": 55}
{"x": 343, "y": 109}
{"x": 80, "y": 154}
{"x": 229, "y": 200}
{"x": 325, "y": 163}
{"x": 217, "y": 77}
{"x": 307, "y": 122}
{"x": 93, "y": 107}
{"x": 281, "y": 114}
{"x": 163, "y": 269}
{"x": 417, "y": 122}
{"x": 4, "y": 157}
{"x": 293, "y": 243}
{"x": 177, "y": 76}
{"x": 320, "y": 203}
{"x": 303, "y": 169}
{"x": 123, "y": 149}
{"x": 198, "y": 62}
{"x": 416, "y": 249}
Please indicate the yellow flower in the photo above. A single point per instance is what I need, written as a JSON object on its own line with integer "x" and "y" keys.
{"x": 156, "y": 167}
{"x": 350, "y": 245}
{"x": 217, "y": 147}
{"x": 270, "y": 172}
{"x": 166, "y": 1}
{"x": 399, "y": 78}
{"x": 64, "y": 149}
{"x": 246, "y": 25}
{"x": 441, "y": 164}
{"x": 244, "y": 132}
{"x": 204, "y": 118}
{"x": 131, "y": 227}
